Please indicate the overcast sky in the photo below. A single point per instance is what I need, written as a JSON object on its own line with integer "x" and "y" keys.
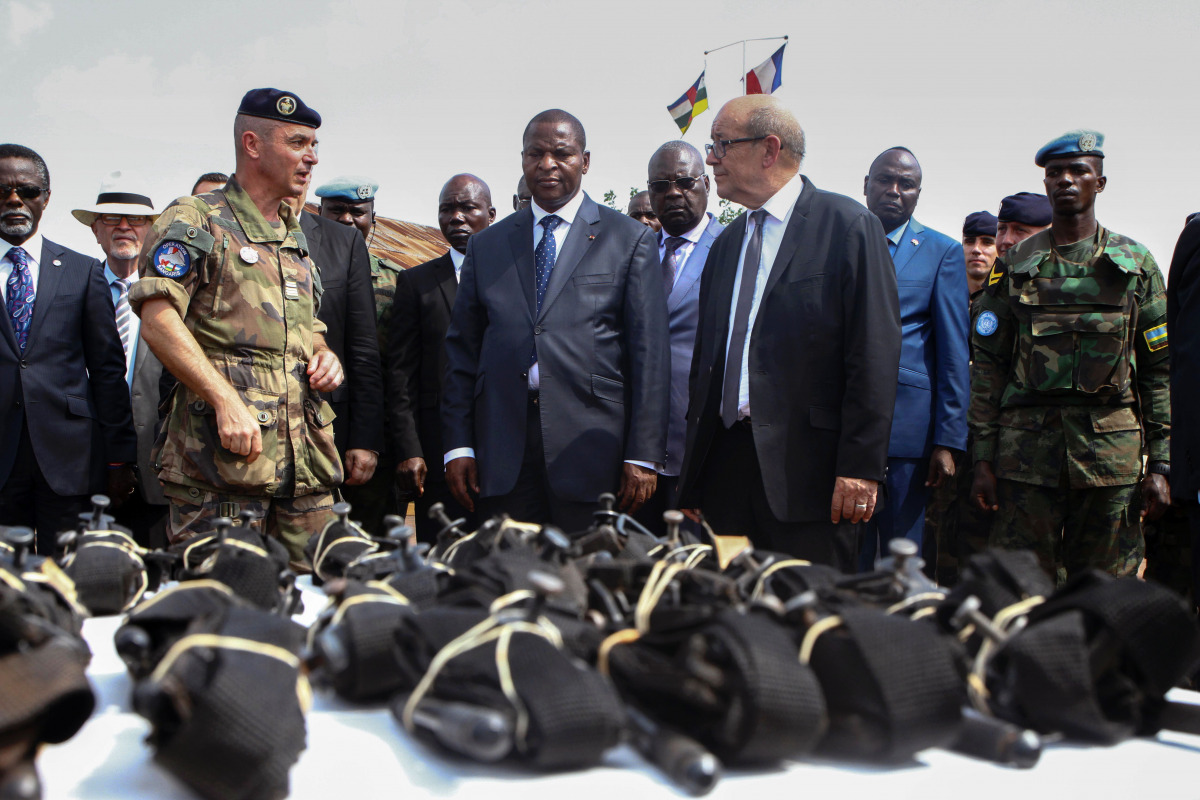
{"x": 413, "y": 92}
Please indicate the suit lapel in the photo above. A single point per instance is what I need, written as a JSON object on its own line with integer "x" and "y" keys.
{"x": 313, "y": 234}
{"x": 913, "y": 239}
{"x": 579, "y": 238}
{"x": 50, "y": 274}
{"x": 791, "y": 236}
{"x": 520, "y": 240}
{"x": 722, "y": 299}
{"x": 447, "y": 283}
{"x": 693, "y": 268}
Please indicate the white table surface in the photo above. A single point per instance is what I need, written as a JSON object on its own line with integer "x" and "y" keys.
{"x": 358, "y": 752}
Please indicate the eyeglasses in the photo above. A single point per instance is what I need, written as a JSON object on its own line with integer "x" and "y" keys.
{"x": 23, "y": 192}
{"x": 135, "y": 220}
{"x": 520, "y": 202}
{"x": 685, "y": 183}
{"x": 718, "y": 148}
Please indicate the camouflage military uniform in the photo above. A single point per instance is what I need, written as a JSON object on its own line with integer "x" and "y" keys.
{"x": 383, "y": 281}
{"x": 1068, "y": 388}
{"x": 245, "y": 290}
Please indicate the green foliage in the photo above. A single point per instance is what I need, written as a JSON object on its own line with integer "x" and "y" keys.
{"x": 610, "y": 199}
{"x": 729, "y": 211}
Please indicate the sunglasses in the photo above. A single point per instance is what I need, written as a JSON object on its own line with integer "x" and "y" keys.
{"x": 135, "y": 220}
{"x": 684, "y": 184}
{"x": 23, "y": 192}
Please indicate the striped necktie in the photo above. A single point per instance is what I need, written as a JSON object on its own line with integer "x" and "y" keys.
{"x": 18, "y": 301}
{"x": 124, "y": 319}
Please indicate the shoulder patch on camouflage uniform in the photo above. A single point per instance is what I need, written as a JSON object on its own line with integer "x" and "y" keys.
{"x": 172, "y": 260}
{"x": 1156, "y": 337}
{"x": 987, "y": 323}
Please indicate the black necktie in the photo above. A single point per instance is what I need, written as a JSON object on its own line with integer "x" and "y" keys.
{"x": 671, "y": 263}
{"x": 741, "y": 321}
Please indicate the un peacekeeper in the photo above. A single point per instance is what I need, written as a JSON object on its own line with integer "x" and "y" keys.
{"x": 1069, "y": 386}
{"x": 228, "y": 301}
{"x": 350, "y": 200}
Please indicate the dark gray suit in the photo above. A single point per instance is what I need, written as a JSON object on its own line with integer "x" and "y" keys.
{"x": 602, "y": 350}
{"x": 824, "y": 354}
{"x": 66, "y": 411}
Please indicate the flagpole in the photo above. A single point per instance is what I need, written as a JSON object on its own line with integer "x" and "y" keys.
{"x": 743, "y": 67}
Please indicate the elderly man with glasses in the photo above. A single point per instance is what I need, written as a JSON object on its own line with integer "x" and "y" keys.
{"x": 65, "y": 430}
{"x": 120, "y": 218}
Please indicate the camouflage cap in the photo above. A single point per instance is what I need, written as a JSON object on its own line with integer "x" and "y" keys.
{"x": 1026, "y": 208}
{"x": 280, "y": 105}
{"x": 1072, "y": 143}
{"x": 981, "y": 223}
{"x": 354, "y": 188}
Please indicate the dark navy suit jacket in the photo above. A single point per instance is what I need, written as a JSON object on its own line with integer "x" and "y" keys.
{"x": 69, "y": 384}
{"x": 602, "y": 353}
{"x": 934, "y": 383}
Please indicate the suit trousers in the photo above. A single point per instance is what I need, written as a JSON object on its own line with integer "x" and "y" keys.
{"x": 901, "y": 515}
{"x": 439, "y": 492}
{"x": 26, "y": 500}
{"x": 532, "y": 500}
{"x": 735, "y": 504}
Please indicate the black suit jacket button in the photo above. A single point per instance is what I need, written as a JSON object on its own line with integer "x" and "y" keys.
{"x": 537, "y": 329}
{"x": 24, "y": 364}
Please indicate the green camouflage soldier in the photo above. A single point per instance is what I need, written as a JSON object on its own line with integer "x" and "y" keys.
{"x": 1069, "y": 387}
{"x": 228, "y": 302}
{"x": 350, "y": 200}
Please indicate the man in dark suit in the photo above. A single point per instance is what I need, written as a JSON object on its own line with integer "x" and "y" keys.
{"x": 348, "y": 311}
{"x": 929, "y": 425}
{"x": 120, "y": 219}
{"x": 416, "y": 354}
{"x": 679, "y": 200}
{"x": 794, "y": 373}
{"x": 1183, "y": 326}
{"x": 558, "y": 374}
{"x": 66, "y": 430}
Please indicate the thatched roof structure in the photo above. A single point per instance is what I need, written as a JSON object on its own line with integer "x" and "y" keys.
{"x": 405, "y": 243}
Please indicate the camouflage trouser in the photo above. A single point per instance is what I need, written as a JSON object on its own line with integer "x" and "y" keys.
{"x": 959, "y": 528}
{"x": 375, "y": 499}
{"x": 291, "y": 520}
{"x": 1072, "y": 529}
{"x": 1169, "y": 552}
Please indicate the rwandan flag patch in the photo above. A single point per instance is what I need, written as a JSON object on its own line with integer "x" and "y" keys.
{"x": 1156, "y": 337}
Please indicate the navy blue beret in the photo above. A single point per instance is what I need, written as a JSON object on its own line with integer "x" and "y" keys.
{"x": 981, "y": 223}
{"x": 1071, "y": 143}
{"x": 1026, "y": 208}
{"x": 280, "y": 105}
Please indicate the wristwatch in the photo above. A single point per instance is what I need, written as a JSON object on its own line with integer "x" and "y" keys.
{"x": 1160, "y": 468}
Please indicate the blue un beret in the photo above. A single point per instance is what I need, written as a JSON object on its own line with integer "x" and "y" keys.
{"x": 1026, "y": 208}
{"x": 1072, "y": 143}
{"x": 349, "y": 187}
{"x": 276, "y": 104}
{"x": 981, "y": 223}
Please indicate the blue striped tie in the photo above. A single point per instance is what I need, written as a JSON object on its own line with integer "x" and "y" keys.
{"x": 124, "y": 324}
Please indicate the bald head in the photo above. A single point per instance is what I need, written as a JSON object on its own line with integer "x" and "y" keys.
{"x": 677, "y": 153}
{"x": 464, "y": 209}
{"x": 751, "y": 172}
{"x": 893, "y": 186}
{"x": 679, "y": 187}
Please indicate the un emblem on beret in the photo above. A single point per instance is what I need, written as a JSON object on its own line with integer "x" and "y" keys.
{"x": 364, "y": 192}
{"x": 1087, "y": 142}
{"x": 286, "y": 105}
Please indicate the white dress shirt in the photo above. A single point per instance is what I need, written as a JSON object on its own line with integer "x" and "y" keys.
{"x": 684, "y": 251}
{"x": 779, "y": 211}
{"x": 457, "y": 259}
{"x": 135, "y": 322}
{"x": 32, "y": 246}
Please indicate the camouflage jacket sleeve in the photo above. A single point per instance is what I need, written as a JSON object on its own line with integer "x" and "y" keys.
{"x": 175, "y": 256}
{"x": 992, "y": 335}
{"x": 1152, "y": 363}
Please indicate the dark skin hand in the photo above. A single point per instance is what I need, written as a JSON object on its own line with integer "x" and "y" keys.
{"x": 1156, "y": 496}
{"x": 121, "y": 484}
{"x": 983, "y": 488}
{"x": 637, "y": 486}
{"x": 410, "y": 476}
{"x": 941, "y": 467}
{"x": 462, "y": 477}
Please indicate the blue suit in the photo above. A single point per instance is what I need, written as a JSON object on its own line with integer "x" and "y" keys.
{"x": 683, "y": 315}
{"x": 933, "y": 385}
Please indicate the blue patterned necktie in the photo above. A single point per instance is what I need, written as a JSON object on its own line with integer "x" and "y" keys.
{"x": 19, "y": 300}
{"x": 544, "y": 256}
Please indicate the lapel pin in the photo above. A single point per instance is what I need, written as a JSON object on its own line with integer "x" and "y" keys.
{"x": 914, "y": 242}
{"x": 591, "y": 236}
{"x": 56, "y": 263}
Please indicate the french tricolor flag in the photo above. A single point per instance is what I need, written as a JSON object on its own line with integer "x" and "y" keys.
{"x": 767, "y": 76}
